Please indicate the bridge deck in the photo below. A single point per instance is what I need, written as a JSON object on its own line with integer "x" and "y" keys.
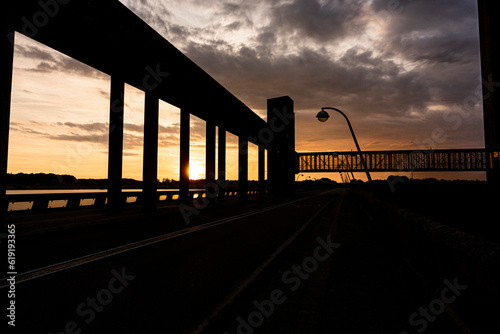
{"x": 271, "y": 266}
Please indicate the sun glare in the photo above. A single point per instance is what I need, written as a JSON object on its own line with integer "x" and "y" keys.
{"x": 196, "y": 171}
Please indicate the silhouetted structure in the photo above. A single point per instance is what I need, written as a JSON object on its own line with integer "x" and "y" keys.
{"x": 465, "y": 160}
{"x": 281, "y": 151}
{"x": 106, "y": 35}
{"x": 488, "y": 35}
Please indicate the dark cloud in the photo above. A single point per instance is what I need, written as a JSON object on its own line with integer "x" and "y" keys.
{"x": 312, "y": 75}
{"x": 85, "y": 138}
{"x": 233, "y": 26}
{"x": 397, "y": 84}
{"x": 34, "y": 52}
{"x": 139, "y": 128}
{"x": 437, "y": 32}
{"x": 89, "y": 127}
{"x": 49, "y": 60}
{"x": 323, "y": 21}
{"x": 19, "y": 127}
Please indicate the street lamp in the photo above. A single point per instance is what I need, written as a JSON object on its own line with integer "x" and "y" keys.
{"x": 323, "y": 116}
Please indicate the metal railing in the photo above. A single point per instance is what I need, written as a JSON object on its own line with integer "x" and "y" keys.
{"x": 386, "y": 161}
{"x": 53, "y": 201}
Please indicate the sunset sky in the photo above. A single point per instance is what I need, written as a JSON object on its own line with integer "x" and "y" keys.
{"x": 398, "y": 69}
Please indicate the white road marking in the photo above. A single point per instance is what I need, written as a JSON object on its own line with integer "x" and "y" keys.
{"x": 76, "y": 262}
{"x": 253, "y": 276}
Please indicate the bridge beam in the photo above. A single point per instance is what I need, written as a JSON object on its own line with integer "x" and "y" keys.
{"x": 184, "y": 155}
{"x": 7, "y": 51}
{"x": 150, "y": 157}
{"x": 115, "y": 155}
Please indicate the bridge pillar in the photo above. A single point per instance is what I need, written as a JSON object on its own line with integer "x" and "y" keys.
{"x": 490, "y": 70}
{"x": 242, "y": 168}
{"x": 221, "y": 177}
{"x": 262, "y": 171}
{"x": 210, "y": 177}
{"x": 281, "y": 151}
{"x": 150, "y": 157}
{"x": 115, "y": 155}
{"x": 7, "y": 51}
{"x": 184, "y": 155}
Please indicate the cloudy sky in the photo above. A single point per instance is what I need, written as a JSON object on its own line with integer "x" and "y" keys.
{"x": 405, "y": 72}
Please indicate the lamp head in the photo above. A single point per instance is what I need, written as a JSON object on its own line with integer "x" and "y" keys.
{"x": 322, "y": 116}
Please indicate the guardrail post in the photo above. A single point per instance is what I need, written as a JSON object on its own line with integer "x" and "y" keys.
{"x": 100, "y": 201}
{"x": 73, "y": 202}
{"x": 40, "y": 204}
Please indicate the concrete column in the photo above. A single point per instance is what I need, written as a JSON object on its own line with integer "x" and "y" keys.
{"x": 490, "y": 72}
{"x": 242, "y": 168}
{"x": 221, "y": 177}
{"x": 7, "y": 51}
{"x": 150, "y": 160}
{"x": 281, "y": 151}
{"x": 184, "y": 155}
{"x": 210, "y": 160}
{"x": 262, "y": 171}
{"x": 115, "y": 155}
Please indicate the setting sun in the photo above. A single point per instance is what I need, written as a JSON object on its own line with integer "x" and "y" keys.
{"x": 196, "y": 171}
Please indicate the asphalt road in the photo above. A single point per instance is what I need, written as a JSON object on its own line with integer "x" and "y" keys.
{"x": 311, "y": 265}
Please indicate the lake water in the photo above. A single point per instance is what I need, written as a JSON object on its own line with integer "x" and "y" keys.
{"x": 63, "y": 191}
{"x": 18, "y": 206}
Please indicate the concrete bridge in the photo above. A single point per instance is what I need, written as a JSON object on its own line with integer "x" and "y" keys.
{"x": 93, "y": 32}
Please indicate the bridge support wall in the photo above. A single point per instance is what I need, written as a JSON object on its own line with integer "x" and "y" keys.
{"x": 281, "y": 151}
{"x": 489, "y": 41}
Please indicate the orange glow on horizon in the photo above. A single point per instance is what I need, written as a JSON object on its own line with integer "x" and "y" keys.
{"x": 196, "y": 171}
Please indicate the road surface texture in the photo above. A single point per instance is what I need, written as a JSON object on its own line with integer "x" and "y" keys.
{"x": 312, "y": 264}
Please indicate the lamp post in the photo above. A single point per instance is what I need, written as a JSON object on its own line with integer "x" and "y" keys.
{"x": 323, "y": 116}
